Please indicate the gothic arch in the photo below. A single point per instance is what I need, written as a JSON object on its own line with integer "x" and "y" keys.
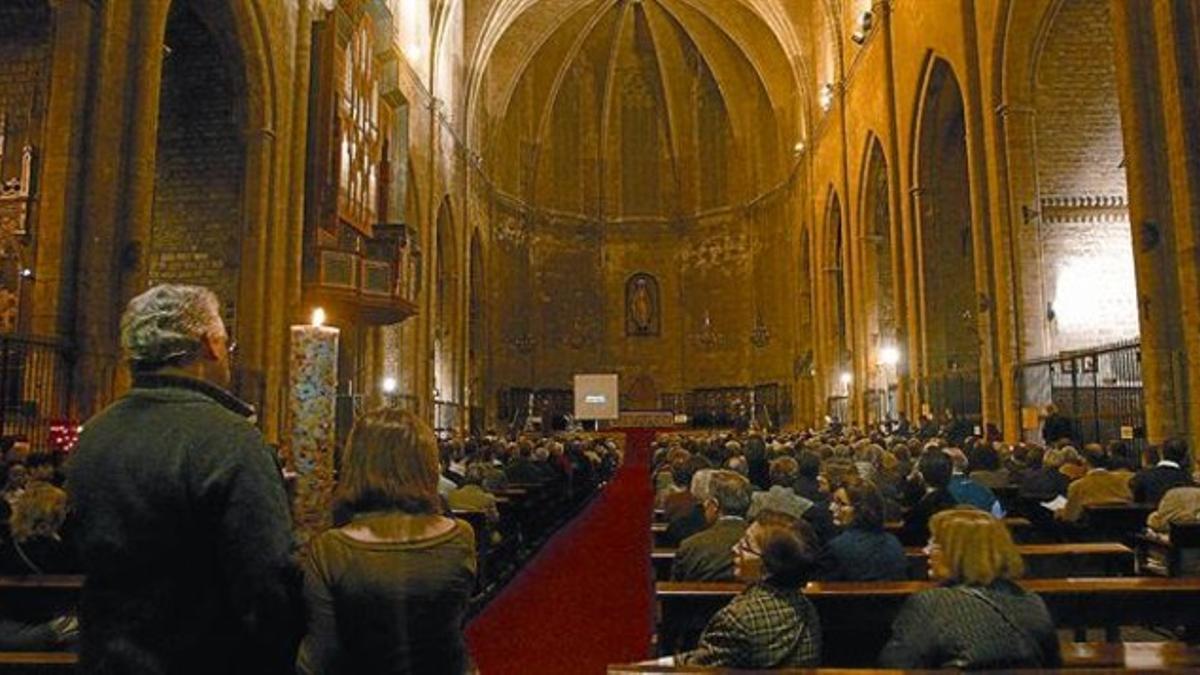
{"x": 834, "y": 264}
{"x": 949, "y": 299}
{"x": 879, "y": 297}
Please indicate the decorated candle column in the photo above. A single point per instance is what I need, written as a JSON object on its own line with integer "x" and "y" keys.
{"x": 311, "y": 404}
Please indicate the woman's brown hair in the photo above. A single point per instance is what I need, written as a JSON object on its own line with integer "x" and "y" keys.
{"x": 390, "y": 464}
{"x": 977, "y": 548}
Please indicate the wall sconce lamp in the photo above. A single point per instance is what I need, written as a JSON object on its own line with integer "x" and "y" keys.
{"x": 864, "y": 27}
{"x": 826, "y": 99}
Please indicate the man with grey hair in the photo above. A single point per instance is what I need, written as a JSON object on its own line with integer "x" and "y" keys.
{"x": 183, "y": 522}
{"x": 708, "y": 555}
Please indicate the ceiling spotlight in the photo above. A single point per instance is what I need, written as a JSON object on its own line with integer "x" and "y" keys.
{"x": 26, "y": 273}
{"x": 389, "y": 385}
{"x": 846, "y": 379}
{"x": 799, "y": 147}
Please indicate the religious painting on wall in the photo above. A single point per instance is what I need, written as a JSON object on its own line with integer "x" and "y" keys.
{"x": 642, "y": 315}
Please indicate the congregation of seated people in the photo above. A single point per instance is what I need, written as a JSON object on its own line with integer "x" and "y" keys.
{"x": 379, "y": 500}
{"x": 840, "y": 504}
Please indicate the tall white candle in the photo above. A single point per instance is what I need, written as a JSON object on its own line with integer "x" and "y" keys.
{"x": 312, "y": 407}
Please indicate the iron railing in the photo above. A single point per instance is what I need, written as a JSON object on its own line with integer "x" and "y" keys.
{"x": 35, "y": 386}
{"x": 1099, "y": 390}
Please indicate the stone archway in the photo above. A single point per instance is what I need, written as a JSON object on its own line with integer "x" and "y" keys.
{"x": 445, "y": 356}
{"x": 838, "y": 341}
{"x": 196, "y": 224}
{"x": 879, "y": 278}
{"x": 950, "y": 300}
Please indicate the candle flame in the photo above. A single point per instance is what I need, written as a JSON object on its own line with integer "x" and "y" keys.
{"x": 318, "y": 317}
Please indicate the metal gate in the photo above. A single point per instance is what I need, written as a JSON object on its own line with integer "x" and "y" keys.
{"x": 1099, "y": 389}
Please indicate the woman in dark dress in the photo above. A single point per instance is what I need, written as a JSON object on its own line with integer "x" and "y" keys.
{"x": 387, "y": 592}
{"x": 863, "y": 551}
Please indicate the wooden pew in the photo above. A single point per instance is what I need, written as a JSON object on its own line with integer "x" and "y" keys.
{"x": 1078, "y": 657}
{"x": 38, "y": 663}
{"x": 856, "y": 618}
{"x": 1113, "y": 522}
{"x": 1180, "y": 556}
{"x": 1054, "y": 561}
{"x": 1021, "y": 529}
{"x": 1042, "y": 561}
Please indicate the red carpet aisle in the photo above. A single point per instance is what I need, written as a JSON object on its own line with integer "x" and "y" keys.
{"x": 586, "y": 600}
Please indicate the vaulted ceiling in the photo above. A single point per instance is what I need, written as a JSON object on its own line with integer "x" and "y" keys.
{"x": 617, "y": 110}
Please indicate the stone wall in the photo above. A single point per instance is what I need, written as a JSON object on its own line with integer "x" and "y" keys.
{"x": 1086, "y": 245}
{"x": 196, "y": 235}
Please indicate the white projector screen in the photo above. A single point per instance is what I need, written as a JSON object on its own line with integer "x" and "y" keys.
{"x": 596, "y": 397}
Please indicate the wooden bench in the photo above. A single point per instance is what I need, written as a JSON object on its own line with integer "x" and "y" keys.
{"x": 38, "y": 663}
{"x": 1054, "y": 561}
{"x": 856, "y": 618}
{"x": 1042, "y": 561}
{"x": 1178, "y": 556}
{"x": 1077, "y": 657}
{"x": 1022, "y": 530}
{"x": 1113, "y": 522}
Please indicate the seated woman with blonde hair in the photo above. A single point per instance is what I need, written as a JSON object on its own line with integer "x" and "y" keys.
{"x": 978, "y": 617}
{"x": 387, "y": 592}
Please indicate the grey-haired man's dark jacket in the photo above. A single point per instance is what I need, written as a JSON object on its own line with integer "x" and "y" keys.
{"x": 185, "y": 535}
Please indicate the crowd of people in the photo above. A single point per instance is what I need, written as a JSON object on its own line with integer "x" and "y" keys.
{"x": 177, "y": 512}
{"x": 779, "y": 510}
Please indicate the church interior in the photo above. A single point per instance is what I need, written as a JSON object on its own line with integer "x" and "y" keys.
{"x": 824, "y": 223}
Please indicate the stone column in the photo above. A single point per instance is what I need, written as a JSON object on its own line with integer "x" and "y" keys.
{"x": 102, "y": 252}
{"x": 1176, "y": 29}
{"x": 915, "y": 264}
{"x": 900, "y": 260}
{"x": 1141, "y": 99}
{"x": 62, "y": 168}
{"x": 1019, "y": 270}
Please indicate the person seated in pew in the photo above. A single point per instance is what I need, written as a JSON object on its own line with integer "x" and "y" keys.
{"x": 474, "y": 495}
{"x": 986, "y": 468}
{"x": 933, "y": 474}
{"x": 550, "y": 472}
{"x": 863, "y": 551}
{"x": 978, "y": 618}
{"x": 387, "y": 593}
{"x": 1098, "y": 486}
{"x": 1179, "y": 505}
{"x": 38, "y": 545}
{"x": 1045, "y": 482}
{"x": 782, "y": 472}
{"x": 770, "y": 624}
{"x": 707, "y": 555}
{"x": 520, "y": 468}
{"x": 1073, "y": 466}
{"x": 682, "y": 510}
{"x": 966, "y": 491}
{"x": 807, "y": 483}
{"x": 1149, "y": 485}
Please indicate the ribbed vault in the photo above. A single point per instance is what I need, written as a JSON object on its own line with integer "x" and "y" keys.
{"x": 635, "y": 109}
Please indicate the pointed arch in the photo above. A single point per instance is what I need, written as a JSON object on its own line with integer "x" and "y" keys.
{"x": 949, "y": 304}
